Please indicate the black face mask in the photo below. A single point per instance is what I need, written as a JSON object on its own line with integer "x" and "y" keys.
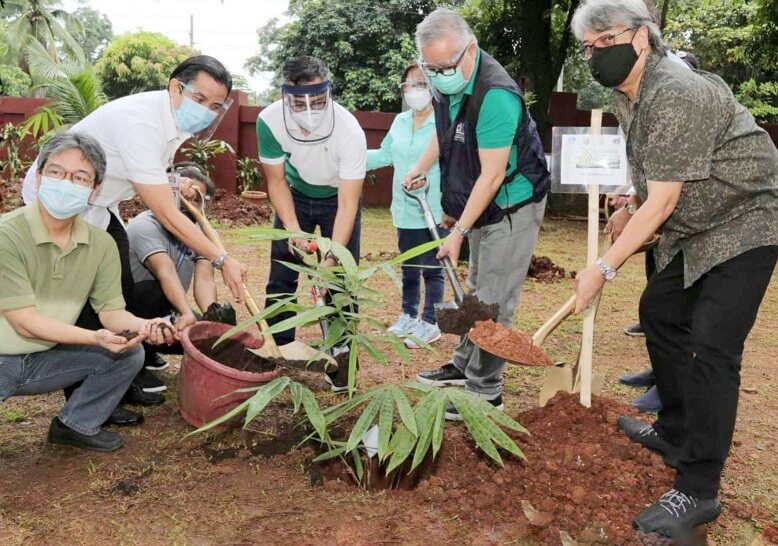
{"x": 610, "y": 66}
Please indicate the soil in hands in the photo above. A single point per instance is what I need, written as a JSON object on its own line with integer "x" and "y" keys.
{"x": 542, "y": 269}
{"x": 581, "y": 476}
{"x": 128, "y": 335}
{"x": 226, "y": 208}
{"x": 512, "y": 345}
{"x": 234, "y": 355}
{"x": 459, "y": 321}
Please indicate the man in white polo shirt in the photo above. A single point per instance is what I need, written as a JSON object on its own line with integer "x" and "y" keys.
{"x": 140, "y": 135}
{"x": 313, "y": 152}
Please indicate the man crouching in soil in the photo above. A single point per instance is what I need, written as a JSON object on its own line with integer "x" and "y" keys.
{"x": 52, "y": 262}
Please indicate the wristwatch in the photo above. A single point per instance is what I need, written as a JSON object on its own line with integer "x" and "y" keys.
{"x": 464, "y": 232}
{"x": 219, "y": 262}
{"x": 631, "y": 209}
{"x": 608, "y": 273}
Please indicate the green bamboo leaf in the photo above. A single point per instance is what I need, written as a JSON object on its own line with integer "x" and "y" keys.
{"x": 413, "y": 252}
{"x": 392, "y": 274}
{"x": 502, "y": 419}
{"x": 307, "y": 317}
{"x": 360, "y": 471}
{"x": 474, "y": 421}
{"x": 263, "y": 396}
{"x": 440, "y": 423}
{"x": 243, "y": 325}
{"x": 385, "y": 419}
{"x": 337, "y": 452}
{"x": 333, "y": 413}
{"x": 372, "y": 350}
{"x": 314, "y": 413}
{"x": 364, "y": 422}
{"x": 297, "y": 395}
{"x": 352, "y": 367}
{"x": 226, "y": 417}
{"x": 400, "y": 447}
{"x": 404, "y": 410}
{"x": 425, "y": 413}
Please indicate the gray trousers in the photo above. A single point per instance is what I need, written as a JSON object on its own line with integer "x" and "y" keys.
{"x": 106, "y": 377}
{"x": 500, "y": 256}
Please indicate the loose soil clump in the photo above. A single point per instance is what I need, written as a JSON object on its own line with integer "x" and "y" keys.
{"x": 460, "y": 321}
{"x": 509, "y": 344}
{"x": 542, "y": 269}
{"x": 234, "y": 355}
{"x": 128, "y": 335}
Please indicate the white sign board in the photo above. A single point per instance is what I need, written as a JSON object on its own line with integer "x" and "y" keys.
{"x": 579, "y": 159}
{"x": 593, "y": 159}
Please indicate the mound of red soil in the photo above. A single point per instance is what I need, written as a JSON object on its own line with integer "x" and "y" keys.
{"x": 582, "y": 476}
{"x": 542, "y": 269}
{"x": 509, "y": 344}
{"x": 226, "y": 208}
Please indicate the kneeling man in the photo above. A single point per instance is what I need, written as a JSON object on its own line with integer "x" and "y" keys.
{"x": 51, "y": 264}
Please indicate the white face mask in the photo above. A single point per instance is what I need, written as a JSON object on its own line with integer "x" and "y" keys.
{"x": 418, "y": 99}
{"x": 308, "y": 119}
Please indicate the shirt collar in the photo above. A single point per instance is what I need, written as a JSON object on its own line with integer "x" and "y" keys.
{"x": 646, "y": 89}
{"x": 40, "y": 233}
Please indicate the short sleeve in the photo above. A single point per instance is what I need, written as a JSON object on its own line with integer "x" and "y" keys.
{"x": 15, "y": 288}
{"x": 106, "y": 292}
{"x": 680, "y": 139}
{"x": 353, "y": 155}
{"x": 141, "y": 146}
{"x": 270, "y": 150}
{"x": 146, "y": 237}
{"x": 498, "y": 119}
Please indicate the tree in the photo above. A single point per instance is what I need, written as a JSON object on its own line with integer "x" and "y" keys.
{"x": 366, "y": 45}
{"x": 42, "y": 22}
{"x": 531, "y": 39}
{"x": 141, "y": 61}
{"x": 14, "y": 82}
{"x": 97, "y": 33}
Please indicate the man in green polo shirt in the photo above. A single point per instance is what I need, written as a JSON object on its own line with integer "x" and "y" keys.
{"x": 51, "y": 264}
{"x": 494, "y": 182}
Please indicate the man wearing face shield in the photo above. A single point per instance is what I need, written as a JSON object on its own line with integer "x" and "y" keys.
{"x": 313, "y": 153}
{"x": 140, "y": 134}
{"x": 493, "y": 180}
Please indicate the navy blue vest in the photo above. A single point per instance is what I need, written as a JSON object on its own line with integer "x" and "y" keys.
{"x": 460, "y": 165}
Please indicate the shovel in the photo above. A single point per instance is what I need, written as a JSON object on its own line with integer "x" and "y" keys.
{"x": 294, "y": 355}
{"x": 452, "y": 319}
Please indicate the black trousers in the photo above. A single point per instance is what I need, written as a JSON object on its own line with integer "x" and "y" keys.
{"x": 149, "y": 301}
{"x": 695, "y": 339}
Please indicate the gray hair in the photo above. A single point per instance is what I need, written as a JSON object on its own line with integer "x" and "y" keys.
{"x": 87, "y": 145}
{"x": 601, "y": 15}
{"x": 443, "y": 23}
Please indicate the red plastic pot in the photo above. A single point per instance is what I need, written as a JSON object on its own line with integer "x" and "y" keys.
{"x": 204, "y": 382}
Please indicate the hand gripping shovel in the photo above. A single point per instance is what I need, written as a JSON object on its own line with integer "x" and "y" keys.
{"x": 458, "y": 317}
{"x": 296, "y": 354}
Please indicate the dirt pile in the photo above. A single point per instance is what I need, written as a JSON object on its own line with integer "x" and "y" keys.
{"x": 233, "y": 354}
{"x": 542, "y": 269}
{"x": 459, "y": 321}
{"x": 512, "y": 345}
{"x": 226, "y": 208}
{"x": 582, "y": 476}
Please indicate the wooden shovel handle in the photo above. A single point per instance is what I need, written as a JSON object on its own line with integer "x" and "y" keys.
{"x": 213, "y": 236}
{"x": 552, "y": 323}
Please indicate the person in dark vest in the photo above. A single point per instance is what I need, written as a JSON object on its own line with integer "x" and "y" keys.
{"x": 494, "y": 182}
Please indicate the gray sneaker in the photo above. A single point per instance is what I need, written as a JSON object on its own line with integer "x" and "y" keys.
{"x": 403, "y": 325}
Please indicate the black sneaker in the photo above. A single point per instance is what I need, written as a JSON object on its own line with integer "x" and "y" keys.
{"x": 676, "y": 514}
{"x": 122, "y": 417}
{"x": 448, "y": 374}
{"x": 338, "y": 380}
{"x": 148, "y": 382}
{"x": 640, "y": 379}
{"x": 636, "y": 330}
{"x": 59, "y": 433}
{"x": 645, "y": 435}
{"x": 154, "y": 362}
{"x": 137, "y": 397}
{"x": 453, "y": 415}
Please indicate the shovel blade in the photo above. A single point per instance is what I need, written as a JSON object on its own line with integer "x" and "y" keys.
{"x": 560, "y": 378}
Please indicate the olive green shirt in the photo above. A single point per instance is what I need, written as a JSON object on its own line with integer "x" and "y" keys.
{"x": 36, "y": 272}
{"x": 686, "y": 126}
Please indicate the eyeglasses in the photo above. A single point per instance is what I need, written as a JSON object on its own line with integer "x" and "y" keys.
{"x": 301, "y": 103}
{"x": 447, "y": 70}
{"x": 606, "y": 40}
{"x": 200, "y": 98}
{"x": 79, "y": 178}
{"x": 417, "y": 84}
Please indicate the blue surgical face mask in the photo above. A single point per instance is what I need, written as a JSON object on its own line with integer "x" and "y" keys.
{"x": 63, "y": 199}
{"x": 192, "y": 117}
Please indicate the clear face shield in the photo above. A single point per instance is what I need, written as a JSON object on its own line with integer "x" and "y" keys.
{"x": 198, "y": 114}
{"x": 308, "y": 112}
{"x": 201, "y": 199}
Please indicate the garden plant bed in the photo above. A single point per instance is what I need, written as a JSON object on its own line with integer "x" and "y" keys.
{"x": 509, "y": 344}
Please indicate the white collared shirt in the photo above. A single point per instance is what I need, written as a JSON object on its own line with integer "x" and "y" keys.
{"x": 140, "y": 138}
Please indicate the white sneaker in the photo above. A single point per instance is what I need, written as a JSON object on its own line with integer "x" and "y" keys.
{"x": 404, "y": 325}
{"x": 426, "y": 332}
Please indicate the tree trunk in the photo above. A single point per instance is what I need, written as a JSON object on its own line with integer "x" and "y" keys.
{"x": 665, "y": 10}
